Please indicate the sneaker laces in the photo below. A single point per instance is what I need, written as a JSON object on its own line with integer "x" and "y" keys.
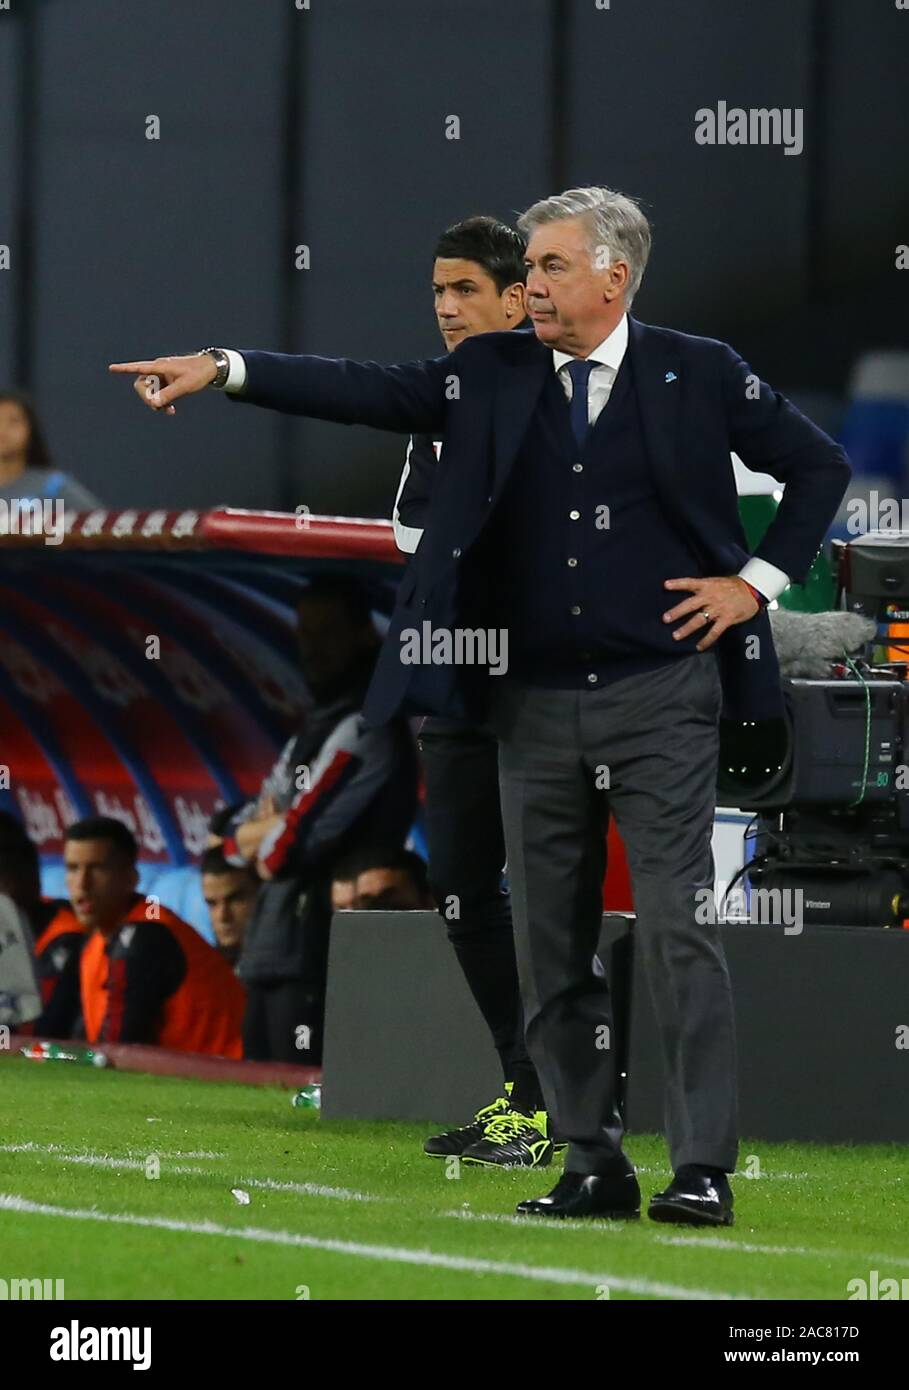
{"x": 489, "y": 1112}
{"x": 512, "y": 1125}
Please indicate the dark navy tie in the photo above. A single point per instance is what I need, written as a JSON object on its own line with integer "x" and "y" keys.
{"x": 580, "y": 376}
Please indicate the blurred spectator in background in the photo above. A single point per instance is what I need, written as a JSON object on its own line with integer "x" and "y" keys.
{"x": 26, "y": 470}
{"x": 57, "y": 934}
{"x": 394, "y": 880}
{"x": 336, "y": 784}
{"x": 230, "y": 895}
{"x": 343, "y": 890}
{"x": 20, "y": 998}
{"x": 146, "y": 975}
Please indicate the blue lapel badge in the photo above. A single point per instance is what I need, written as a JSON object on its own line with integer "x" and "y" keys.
{"x": 671, "y": 376}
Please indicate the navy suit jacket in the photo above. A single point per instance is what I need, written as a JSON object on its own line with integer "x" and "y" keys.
{"x": 699, "y": 401}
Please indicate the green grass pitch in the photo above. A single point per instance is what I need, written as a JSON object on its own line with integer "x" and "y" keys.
{"x": 356, "y": 1211}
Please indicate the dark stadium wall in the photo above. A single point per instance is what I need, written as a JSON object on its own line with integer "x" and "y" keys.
{"x": 10, "y": 206}
{"x": 326, "y": 128}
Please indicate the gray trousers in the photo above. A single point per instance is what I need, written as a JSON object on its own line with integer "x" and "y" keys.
{"x": 646, "y": 748}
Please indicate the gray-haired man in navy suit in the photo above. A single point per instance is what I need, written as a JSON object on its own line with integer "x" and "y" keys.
{"x": 585, "y": 505}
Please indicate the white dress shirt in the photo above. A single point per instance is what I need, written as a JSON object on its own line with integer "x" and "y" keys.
{"x": 766, "y": 578}
{"x": 236, "y": 377}
{"x": 608, "y": 357}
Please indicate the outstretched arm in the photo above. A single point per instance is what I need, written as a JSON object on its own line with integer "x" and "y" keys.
{"x": 409, "y": 397}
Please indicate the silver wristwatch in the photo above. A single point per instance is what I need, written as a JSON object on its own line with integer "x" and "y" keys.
{"x": 222, "y": 362}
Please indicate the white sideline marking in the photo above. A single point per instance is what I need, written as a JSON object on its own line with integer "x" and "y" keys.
{"x": 717, "y": 1243}
{"x": 770, "y": 1177}
{"x": 306, "y": 1189}
{"x": 190, "y": 1153}
{"x": 28, "y": 1148}
{"x": 137, "y": 1165}
{"x": 313, "y": 1189}
{"x": 390, "y": 1254}
{"x": 708, "y": 1242}
{"x": 91, "y": 1160}
{"x": 528, "y": 1223}
{"x": 344, "y": 1194}
{"x": 749, "y": 1248}
{"x": 665, "y": 1173}
{"x": 56, "y": 1151}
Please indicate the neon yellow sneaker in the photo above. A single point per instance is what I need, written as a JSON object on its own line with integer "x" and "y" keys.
{"x": 512, "y": 1140}
{"x": 455, "y": 1141}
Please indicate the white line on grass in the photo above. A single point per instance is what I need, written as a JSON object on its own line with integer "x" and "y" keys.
{"x": 745, "y": 1177}
{"x": 530, "y": 1223}
{"x": 717, "y": 1243}
{"x": 56, "y": 1151}
{"x": 391, "y": 1254}
{"x": 138, "y": 1165}
{"x": 189, "y": 1153}
{"x": 312, "y": 1189}
{"x": 731, "y": 1243}
{"x": 29, "y": 1148}
{"x": 345, "y": 1194}
{"x": 103, "y": 1160}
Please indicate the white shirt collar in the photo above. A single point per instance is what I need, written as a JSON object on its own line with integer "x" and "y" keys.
{"x": 609, "y": 353}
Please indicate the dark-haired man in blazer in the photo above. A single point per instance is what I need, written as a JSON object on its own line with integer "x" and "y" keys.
{"x": 478, "y": 287}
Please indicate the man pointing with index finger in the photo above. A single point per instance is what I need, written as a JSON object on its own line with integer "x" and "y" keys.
{"x": 181, "y": 376}
{"x": 586, "y": 473}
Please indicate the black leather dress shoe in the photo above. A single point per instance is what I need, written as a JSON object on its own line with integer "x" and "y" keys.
{"x": 590, "y": 1194}
{"x": 695, "y": 1197}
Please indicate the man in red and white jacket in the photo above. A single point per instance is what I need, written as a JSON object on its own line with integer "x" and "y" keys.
{"x": 336, "y": 786}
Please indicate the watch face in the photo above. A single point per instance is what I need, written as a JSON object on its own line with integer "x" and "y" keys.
{"x": 222, "y": 365}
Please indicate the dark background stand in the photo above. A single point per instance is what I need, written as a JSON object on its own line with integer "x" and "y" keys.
{"x": 818, "y": 1017}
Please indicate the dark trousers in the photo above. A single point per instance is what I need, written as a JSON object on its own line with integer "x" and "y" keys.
{"x": 274, "y": 1013}
{"x": 284, "y": 1020}
{"x": 646, "y": 748}
{"x": 466, "y": 859}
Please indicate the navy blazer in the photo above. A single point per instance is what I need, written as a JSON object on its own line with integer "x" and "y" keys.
{"x": 699, "y": 401}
